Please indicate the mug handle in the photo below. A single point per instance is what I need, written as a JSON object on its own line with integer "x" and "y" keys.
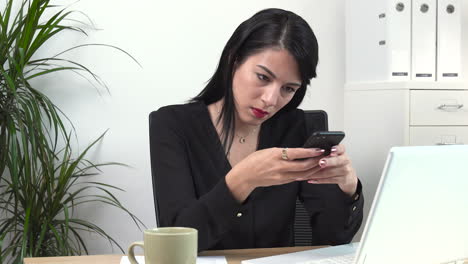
{"x": 131, "y": 254}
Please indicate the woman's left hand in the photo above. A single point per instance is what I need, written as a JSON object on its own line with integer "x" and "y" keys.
{"x": 336, "y": 169}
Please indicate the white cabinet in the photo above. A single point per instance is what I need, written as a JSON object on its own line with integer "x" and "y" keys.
{"x": 381, "y": 115}
{"x": 398, "y": 114}
{"x": 438, "y": 108}
{"x": 438, "y": 117}
{"x": 438, "y": 135}
{"x": 405, "y": 84}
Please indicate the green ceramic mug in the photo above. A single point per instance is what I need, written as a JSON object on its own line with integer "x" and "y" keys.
{"x": 167, "y": 245}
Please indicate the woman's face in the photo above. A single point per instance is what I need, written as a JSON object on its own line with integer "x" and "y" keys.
{"x": 263, "y": 84}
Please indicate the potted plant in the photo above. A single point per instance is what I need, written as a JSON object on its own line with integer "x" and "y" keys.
{"x": 42, "y": 180}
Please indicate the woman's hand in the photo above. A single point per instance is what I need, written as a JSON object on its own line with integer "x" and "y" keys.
{"x": 336, "y": 168}
{"x": 267, "y": 167}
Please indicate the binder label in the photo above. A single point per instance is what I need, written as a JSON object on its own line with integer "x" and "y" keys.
{"x": 399, "y": 74}
{"x": 449, "y": 74}
{"x": 423, "y": 74}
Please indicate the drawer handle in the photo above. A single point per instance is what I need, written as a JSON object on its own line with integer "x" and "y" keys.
{"x": 446, "y": 143}
{"x": 450, "y": 106}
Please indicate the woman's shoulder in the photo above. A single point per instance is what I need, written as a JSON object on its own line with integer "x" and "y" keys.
{"x": 287, "y": 121}
{"x": 291, "y": 116}
{"x": 179, "y": 110}
{"x": 181, "y": 114}
{"x": 296, "y": 113}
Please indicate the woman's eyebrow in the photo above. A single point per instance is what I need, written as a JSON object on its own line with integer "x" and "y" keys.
{"x": 267, "y": 70}
{"x": 274, "y": 76}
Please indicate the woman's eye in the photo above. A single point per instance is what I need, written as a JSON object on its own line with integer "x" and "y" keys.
{"x": 262, "y": 77}
{"x": 289, "y": 89}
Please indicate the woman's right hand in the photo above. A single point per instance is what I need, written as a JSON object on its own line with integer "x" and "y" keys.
{"x": 267, "y": 167}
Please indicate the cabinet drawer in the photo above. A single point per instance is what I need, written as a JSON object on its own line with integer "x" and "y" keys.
{"x": 444, "y": 135}
{"x": 435, "y": 107}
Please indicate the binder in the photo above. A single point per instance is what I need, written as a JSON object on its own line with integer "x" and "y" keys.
{"x": 449, "y": 40}
{"x": 423, "y": 48}
{"x": 397, "y": 40}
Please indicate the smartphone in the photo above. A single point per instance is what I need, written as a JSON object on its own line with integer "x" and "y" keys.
{"x": 324, "y": 140}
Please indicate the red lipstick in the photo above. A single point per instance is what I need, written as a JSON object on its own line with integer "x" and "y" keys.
{"x": 258, "y": 112}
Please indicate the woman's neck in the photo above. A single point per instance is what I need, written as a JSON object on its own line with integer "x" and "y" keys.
{"x": 242, "y": 129}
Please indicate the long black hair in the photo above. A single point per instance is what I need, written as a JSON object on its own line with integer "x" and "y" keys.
{"x": 269, "y": 28}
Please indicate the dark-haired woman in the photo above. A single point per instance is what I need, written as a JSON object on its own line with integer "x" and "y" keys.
{"x": 227, "y": 162}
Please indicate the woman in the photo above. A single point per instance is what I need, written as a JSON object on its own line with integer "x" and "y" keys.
{"x": 227, "y": 162}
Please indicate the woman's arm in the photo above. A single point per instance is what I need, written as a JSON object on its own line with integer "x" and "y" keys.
{"x": 335, "y": 216}
{"x": 213, "y": 213}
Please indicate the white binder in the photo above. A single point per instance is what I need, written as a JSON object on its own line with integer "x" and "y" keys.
{"x": 397, "y": 40}
{"x": 424, "y": 25}
{"x": 378, "y": 40}
{"x": 449, "y": 40}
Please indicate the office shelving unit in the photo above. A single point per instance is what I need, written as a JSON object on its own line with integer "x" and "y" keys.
{"x": 383, "y": 110}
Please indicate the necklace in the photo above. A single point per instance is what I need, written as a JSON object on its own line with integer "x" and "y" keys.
{"x": 242, "y": 138}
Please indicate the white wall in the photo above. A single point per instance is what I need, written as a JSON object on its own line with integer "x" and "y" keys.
{"x": 178, "y": 44}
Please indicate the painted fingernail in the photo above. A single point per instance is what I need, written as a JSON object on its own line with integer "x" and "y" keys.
{"x": 322, "y": 163}
{"x": 333, "y": 149}
{"x": 319, "y": 150}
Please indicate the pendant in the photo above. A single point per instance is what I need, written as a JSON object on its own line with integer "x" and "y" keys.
{"x": 242, "y": 140}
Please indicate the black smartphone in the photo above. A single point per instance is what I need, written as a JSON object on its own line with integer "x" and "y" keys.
{"x": 324, "y": 140}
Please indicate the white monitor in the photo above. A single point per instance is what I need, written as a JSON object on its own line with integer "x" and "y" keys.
{"x": 419, "y": 213}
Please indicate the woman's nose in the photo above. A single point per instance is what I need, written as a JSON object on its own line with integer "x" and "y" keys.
{"x": 270, "y": 95}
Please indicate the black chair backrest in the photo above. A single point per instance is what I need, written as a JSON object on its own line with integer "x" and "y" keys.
{"x": 152, "y": 126}
{"x": 315, "y": 120}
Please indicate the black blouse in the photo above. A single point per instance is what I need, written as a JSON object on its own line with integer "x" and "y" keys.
{"x": 189, "y": 166}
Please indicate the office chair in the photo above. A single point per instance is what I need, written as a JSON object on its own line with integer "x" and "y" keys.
{"x": 315, "y": 120}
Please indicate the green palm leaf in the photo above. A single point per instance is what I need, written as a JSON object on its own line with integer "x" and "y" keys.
{"x": 43, "y": 181}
